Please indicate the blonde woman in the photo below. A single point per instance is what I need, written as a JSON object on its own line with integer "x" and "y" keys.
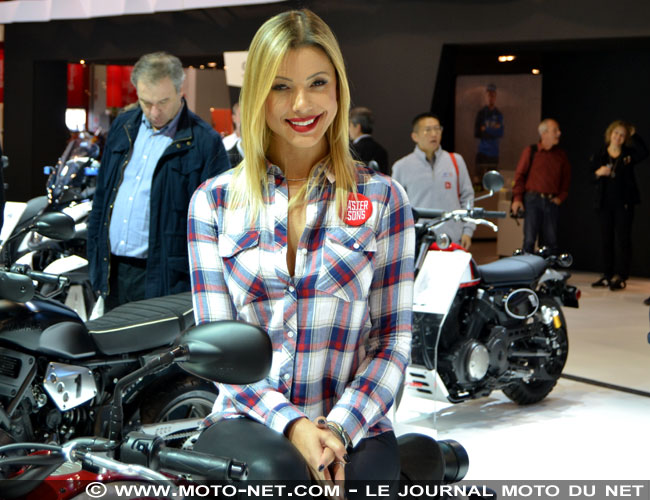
{"x": 318, "y": 251}
{"x": 616, "y": 195}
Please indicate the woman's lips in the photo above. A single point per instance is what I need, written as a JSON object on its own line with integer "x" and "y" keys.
{"x": 302, "y": 125}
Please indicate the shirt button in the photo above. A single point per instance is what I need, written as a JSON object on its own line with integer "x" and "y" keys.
{"x": 292, "y": 289}
{"x": 303, "y": 250}
{"x": 355, "y": 246}
{"x": 290, "y": 335}
{"x": 130, "y": 198}
{"x": 286, "y": 376}
{"x": 137, "y": 178}
{"x": 144, "y": 157}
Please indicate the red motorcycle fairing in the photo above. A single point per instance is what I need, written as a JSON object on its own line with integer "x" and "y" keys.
{"x": 71, "y": 482}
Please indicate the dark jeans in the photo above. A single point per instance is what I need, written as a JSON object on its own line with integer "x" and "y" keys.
{"x": 271, "y": 456}
{"x": 127, "y": 281}
{"x": 540, "y": 220}
{"x": 616, "y": 234}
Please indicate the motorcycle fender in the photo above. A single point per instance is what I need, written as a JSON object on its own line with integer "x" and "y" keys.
{"x": 66, "y": 265}
{"x": 438, "y": 281}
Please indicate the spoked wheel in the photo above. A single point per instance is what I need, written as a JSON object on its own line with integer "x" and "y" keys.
{"x": 533, "y": 390}
{"x": 186, "y": 397}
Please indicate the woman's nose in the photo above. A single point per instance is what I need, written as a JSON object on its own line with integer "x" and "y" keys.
{"x": 300, "y": 101}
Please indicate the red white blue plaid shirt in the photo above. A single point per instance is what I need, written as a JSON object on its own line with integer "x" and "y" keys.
{"x": 340, "y": 327}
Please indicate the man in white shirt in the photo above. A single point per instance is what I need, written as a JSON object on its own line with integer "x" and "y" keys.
{"x": 435, "y": 178}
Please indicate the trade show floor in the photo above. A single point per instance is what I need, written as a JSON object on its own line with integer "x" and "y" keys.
{"x": 594, "y": 425}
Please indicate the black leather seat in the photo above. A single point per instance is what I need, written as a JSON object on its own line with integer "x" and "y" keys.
{"x": 521, "y": 269}
{"x": 142, "y": 325}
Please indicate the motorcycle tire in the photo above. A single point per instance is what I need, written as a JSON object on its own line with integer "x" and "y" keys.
{"x": 533, "y": 391}
{"x": 184, "y": 397}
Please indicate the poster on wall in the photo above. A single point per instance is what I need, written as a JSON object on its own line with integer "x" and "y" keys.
{"x": 496, "y": 118}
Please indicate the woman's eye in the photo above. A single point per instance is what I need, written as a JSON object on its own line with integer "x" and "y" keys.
{"x": 279, "y": 86}
{"x": 319, "y": 83}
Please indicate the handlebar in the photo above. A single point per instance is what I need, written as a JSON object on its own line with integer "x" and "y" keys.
{"x": 202, "y": 464}
{"x": 472, "y": 213}
{"x": 143, "y": 462}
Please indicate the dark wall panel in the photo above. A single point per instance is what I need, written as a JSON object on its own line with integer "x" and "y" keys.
{"x": 585, "y": 91}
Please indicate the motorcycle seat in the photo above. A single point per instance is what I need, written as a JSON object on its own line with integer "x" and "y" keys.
{"x": 142, "y": 325}
{"x": 520, "y": 269}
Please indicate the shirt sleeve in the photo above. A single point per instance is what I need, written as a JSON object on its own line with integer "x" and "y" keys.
{"x": 212, "y": 302}
{"x": 521, "y": 173}
{"x": 370, "y": 394}
{"x": 565, "y": 181}
{"x": 466, "y": 192}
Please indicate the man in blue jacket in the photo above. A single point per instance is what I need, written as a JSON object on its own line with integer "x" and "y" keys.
{"x": 155, "y": 156}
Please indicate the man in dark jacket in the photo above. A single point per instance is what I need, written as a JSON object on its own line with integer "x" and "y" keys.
{"x": 155, "y": 156}
{"x": 364, "y": 147}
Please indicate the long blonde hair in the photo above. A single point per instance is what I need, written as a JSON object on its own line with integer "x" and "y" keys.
{"x": 278, "y": 35}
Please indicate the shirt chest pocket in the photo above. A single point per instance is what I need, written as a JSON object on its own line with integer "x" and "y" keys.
{"x": 347, "y": 264}
{"x": 240, "y": 254}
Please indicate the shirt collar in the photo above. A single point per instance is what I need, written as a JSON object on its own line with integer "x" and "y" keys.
{"x": 362, "y": 136}
{"x": 421, "y": 154}
{"x": 276, "y": 171}
{"x": 168, "y": 130}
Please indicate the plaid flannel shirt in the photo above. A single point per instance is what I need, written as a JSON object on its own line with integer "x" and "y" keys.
{"x": 340, "y": 327}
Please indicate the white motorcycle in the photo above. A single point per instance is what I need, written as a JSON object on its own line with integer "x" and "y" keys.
{"x": 497, "y": 326}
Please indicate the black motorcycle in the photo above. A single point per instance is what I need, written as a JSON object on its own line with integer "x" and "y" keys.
{"x": 497, "y": 326}
{"x": 57, "y": 373}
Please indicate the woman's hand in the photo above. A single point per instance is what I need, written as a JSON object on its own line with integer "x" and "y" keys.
{"x": 319, "y": 447}
{"x": 604, "y": 171}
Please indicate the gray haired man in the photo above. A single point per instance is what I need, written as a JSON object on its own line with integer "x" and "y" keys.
{"x": 155, "y": 156}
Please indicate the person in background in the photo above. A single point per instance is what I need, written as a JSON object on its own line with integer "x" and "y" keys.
{"x": 317, "y": 250}
{"x": 541, "y": 185}
{"x": 364, "y": 146}
{"x": 488, "y": 128}
{"x": 616, "y": 195}
{"x": 155, "y": 156}
{"x": 232, "y": 142}
{"x": 435, "y": 178}
{"x": 2, "y": 189}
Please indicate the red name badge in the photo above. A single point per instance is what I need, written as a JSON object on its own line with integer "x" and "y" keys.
{"x": 447, "y": 185}
{"x": 358, "y": 211}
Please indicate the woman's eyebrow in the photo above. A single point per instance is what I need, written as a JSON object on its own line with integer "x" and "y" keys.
{"x": 279, "y": 77}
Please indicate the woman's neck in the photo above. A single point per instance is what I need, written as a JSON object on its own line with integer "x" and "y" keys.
{"x": 613, "y": 151}
{"x": 296, "y": 163}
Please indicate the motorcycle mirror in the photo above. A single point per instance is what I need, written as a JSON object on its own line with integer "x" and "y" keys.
{"x": 16, "y": 287}
{"x": 231, "y": 352}
{"x": 55, "y": 225}
{"x": 492, "y": 181}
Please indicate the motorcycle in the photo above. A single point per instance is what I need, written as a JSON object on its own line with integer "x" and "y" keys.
{"x": 480, "y": 328}
{"x": 57, "y": 372}
{"x": 70, "y": 189}
{"x": 225, "y": 351}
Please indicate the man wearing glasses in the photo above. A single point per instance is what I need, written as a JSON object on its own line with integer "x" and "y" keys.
{"x": 435, "y": 178}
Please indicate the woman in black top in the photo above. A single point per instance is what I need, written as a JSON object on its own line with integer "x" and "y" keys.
{"x": 615, "y": 197}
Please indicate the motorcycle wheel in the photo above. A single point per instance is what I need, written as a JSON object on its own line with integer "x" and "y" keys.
{"x": 185, "y": 397}
{"x": 533, "y": 391}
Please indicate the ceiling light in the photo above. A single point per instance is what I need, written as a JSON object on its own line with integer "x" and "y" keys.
{"x": 212, "y": 64}
{"x": 535, "y": 71}
{"x": 506, "y": 58}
